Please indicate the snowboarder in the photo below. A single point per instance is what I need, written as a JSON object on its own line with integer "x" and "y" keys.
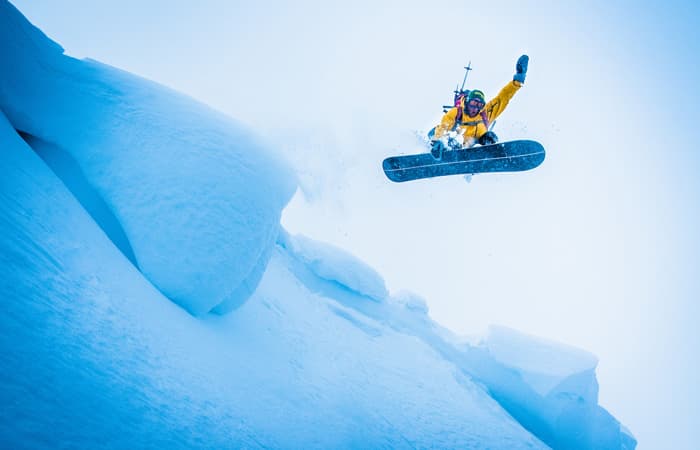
{"x": 472, "y": 118}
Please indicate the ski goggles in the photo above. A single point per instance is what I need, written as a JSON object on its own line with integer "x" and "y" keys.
{"x": 475, "y": 104}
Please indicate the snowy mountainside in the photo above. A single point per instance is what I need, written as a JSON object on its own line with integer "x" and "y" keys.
{"x": 128, "y": 212}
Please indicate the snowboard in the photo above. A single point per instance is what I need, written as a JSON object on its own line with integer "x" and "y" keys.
{"x": 512, "y": 156}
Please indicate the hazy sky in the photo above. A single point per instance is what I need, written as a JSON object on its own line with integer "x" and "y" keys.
{"x": 598, "y": 247}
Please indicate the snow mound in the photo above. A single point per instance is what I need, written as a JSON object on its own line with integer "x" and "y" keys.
{"x": 198, "y": 197}
{"x": 551, "y": 389}
{"x": 544, "y": 364}
{"x": 411, "y": 301}
{"x": 336, "y": 265}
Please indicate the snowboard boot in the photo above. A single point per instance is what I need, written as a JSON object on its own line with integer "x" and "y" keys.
{"x": 436, "y": 149}
{"x": 488, "y": 138}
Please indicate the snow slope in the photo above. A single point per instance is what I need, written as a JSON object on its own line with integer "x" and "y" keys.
{"x": 128, "y": 212}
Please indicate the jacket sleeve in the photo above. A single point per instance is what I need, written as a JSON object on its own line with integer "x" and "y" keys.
{"x": 446, "y": 124}
{"x": 498, "y": 104}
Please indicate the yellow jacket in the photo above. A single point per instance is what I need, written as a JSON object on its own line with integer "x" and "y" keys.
{"x": 472, "y": 128}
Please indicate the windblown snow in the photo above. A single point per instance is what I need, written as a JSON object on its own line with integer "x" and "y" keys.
{"x": 152, "y": 298}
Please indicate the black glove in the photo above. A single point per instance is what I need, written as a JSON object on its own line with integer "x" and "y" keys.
{"x": 488, "y": 138}
{"x": 521, "y": 69}
{"x": 436, "y": 149}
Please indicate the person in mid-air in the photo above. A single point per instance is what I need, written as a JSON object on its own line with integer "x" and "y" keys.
{"x": 472, "y": 116}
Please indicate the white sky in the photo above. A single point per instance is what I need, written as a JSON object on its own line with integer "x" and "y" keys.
{"x": 598, "y": 247}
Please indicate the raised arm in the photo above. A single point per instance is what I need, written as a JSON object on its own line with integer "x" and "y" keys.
{"x": 498, "y": 104}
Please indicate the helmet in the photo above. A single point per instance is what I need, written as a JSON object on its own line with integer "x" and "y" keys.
{"x": 474, "y": 103}
{"x": 476, "y": 95}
